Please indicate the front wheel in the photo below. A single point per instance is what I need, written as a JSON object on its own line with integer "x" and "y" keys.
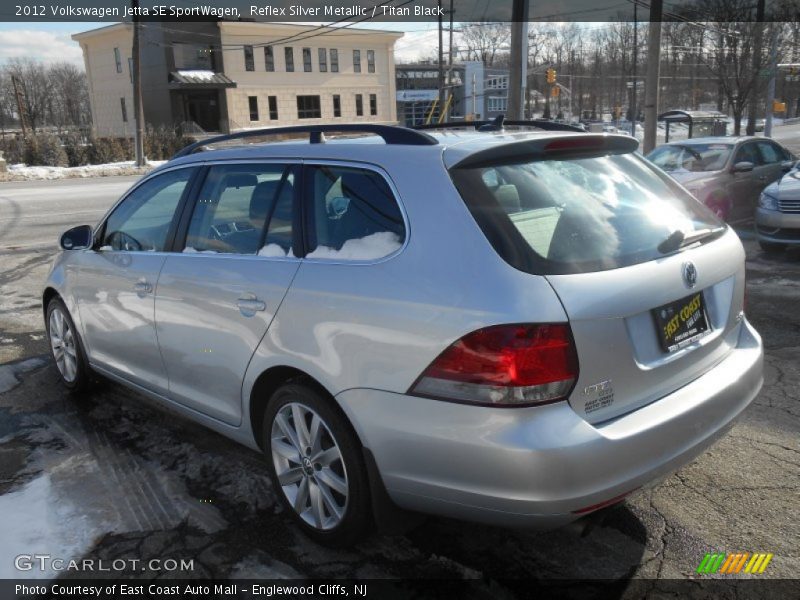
{"x": 316, "y": 465}
{"x": 66, "y": 348}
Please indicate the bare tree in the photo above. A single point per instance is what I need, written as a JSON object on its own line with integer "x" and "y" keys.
{"x": 485, "y": 41}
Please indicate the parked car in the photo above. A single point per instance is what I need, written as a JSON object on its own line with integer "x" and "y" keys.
{"x": 778, "y": 213}
{"x": 727, "y": 174}
{"x": 517, "y": 330}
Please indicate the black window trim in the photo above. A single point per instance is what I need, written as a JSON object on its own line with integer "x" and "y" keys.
{"x": 307, "y": 210}
{"x": 290, "y": 165}
{"x": 188, "y": 192}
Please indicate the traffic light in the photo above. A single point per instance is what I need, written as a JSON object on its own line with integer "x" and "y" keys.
{"x": 551, "y": 75}
{"x": 555, "y": 91}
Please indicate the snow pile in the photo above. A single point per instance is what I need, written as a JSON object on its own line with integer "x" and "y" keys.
{"x": 198, "y": 74}
{"x": 190, "y": 250}
{"x": 274, "y": 251}
{"x": 23, "y": 171}
{"x": 370, "y": 247}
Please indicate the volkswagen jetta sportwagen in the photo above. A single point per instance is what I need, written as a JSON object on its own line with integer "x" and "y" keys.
{"x": 513, "y": 327}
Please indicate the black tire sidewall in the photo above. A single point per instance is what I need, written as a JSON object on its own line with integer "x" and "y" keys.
{"x": 772, "y": 247}
{"x": 81, "y": 380}
{"x": 357, "y": 514}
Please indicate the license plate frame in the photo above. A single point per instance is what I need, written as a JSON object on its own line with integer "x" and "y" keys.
{"x": 681, "y": 322}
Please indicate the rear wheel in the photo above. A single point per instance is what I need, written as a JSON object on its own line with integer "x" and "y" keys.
{"x": 66, "y": 348}
{"x": 316, "y": 465}
{"x": 771, "y": 247}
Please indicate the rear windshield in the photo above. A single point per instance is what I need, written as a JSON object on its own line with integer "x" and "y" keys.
{"x": 573, "y": 215}
{"x": 691, "y": 157}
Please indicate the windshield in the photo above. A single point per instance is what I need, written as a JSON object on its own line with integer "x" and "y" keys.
{"x": 691, "y": 157}
{"x": 579, "y": 214}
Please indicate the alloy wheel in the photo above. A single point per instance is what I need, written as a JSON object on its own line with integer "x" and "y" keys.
{"x": 309, "y": 466}
{"x": 62, "y": 342}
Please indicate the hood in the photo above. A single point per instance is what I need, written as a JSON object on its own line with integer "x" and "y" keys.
{"x": 786, "y": 188}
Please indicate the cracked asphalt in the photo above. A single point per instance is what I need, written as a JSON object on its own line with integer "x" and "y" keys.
{"x": 112, "y": 475}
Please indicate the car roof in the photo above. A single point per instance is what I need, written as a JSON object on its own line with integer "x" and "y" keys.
{"x": 452, "y": 146}
{"x": 729, "y": 140}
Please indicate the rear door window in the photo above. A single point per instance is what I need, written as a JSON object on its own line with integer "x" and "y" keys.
{"x": 354, "y": 214}
{"x": 579, "y": 214}
{"x": 243, "y": 209}
{"x": 748, "y": 153}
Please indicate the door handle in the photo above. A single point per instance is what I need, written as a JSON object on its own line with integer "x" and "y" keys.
{"x": 249, "y": 304}
{"x": 142, "y": 287}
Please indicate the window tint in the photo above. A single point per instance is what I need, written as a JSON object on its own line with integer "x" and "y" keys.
{"x": 141, "y": 222}
{"x": 356, "y": 216}
{"x": 770, "y": 153}
{"x": 269, "y": 59}
{"x": 288, "y": 54}
{"x": 579, "y": 214}
{"x": 235, "y": 204}
{"x": 308, "y": 107}
{"x": 747, "y": 153}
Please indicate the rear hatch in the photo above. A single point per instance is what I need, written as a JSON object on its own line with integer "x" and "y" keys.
{"x": 651, "y": 281}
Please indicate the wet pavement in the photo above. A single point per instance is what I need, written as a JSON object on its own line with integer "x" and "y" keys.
{"x": 111, "y": 475}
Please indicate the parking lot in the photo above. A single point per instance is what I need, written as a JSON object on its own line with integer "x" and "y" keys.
{"x": 110, "y": 475}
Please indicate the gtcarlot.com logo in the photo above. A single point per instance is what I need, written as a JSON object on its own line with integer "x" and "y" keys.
{"x": 46, "y": 562}
{"x": 738, "y": 562}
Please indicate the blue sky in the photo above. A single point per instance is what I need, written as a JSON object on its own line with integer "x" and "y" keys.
{"x": 50, "y": 41}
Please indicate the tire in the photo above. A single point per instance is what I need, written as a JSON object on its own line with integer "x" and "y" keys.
{"x": 66, "y": 347}
{"x": 772, "y": 247}
{"x": 324, "y": 476}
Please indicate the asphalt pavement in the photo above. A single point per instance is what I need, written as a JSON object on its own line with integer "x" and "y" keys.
{"x": 111, "y": 475}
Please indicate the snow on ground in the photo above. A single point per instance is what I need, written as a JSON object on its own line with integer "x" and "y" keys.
{"x": 128, "y": 167}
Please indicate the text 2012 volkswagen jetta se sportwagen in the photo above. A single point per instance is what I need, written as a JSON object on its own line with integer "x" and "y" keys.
{"x": 517, "y": 328}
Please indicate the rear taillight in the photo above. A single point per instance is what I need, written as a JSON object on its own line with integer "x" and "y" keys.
{"x": 504, "y": 365}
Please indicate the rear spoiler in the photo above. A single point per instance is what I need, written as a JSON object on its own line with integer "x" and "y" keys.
{"x": 583, "y": 144}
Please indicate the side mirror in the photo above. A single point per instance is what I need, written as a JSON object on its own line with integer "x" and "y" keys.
{"x": 77, "y": 238}
{"x": 788, "y": 165}
{"x": 743, "y": 167}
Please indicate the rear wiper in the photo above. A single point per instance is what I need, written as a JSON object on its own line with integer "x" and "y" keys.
{"x": 678, "y": 239}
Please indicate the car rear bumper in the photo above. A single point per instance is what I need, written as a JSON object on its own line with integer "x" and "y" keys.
{"x": 777, "y": 227}
{"x": 539, "y": 467}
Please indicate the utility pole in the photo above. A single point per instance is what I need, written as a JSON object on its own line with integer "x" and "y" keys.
{"x": 651, "y": 83}
{"x": 635, "y": 60}
{"x": 474, "y": 108}
{"x": 450, "y": 67}
{"x": 759, "y": 34}
{"x": 773, "y": 72}
{"x": 138, "y": 111}
{"x": 20, "y": 105}
{"x": 519, "y": 16}
{"x": 441, "y": 62}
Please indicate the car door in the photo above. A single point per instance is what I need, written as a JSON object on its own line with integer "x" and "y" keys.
{"x": 117, "y": 278}
{"x": 772, "y": 157}
{"x": 216, "y": 298}
{"x": 744, "y": 185}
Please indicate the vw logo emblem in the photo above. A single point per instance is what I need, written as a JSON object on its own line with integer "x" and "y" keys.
{"x": 689, "y": 274}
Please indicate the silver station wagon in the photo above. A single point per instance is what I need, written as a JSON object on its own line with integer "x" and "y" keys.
{"x": 513, "y": 326}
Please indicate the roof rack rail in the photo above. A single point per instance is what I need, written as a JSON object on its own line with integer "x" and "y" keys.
{"x": 391, "y": 135}
{"x": 492, "y": 125}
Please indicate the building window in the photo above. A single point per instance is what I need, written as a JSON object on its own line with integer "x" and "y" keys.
{"x": 337, "y": 105}
{"x": 334, "y": 60}
{"x": 273, "y": 107}
{"x": 249, "y": 60}
{"x": 253, "y": 102}
{"x": 130, "y": 68}
{"x": 124, "y": 110}
{"x": 307, "y": 60}
{"x": 308, "y": 107}
{"x": 269, "y": 59}
{"x": 373, "y": 104}
{"x": 118, "y": 60}
{"x": 323, "y": 60}
{"x": 497, "y": 104}
{"x": 497, "y": 83}
{"x": 356, "y": 61}
{"x": 288, "y": 53}
{"x": 371, "y": 61}
{"x": 359, "y": 105}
